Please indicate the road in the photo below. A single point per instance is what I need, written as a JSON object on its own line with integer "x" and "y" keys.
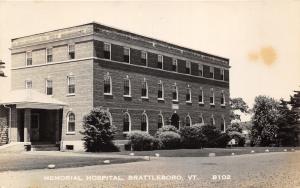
{"x": 252, "y": 171}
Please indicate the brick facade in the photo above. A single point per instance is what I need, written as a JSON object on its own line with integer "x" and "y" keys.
{"x": 89, "y": 68}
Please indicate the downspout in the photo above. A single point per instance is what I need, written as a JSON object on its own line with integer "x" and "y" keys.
{"x": 9, "y": 124}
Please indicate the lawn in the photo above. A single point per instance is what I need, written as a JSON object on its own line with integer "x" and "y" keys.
{"x": 205, "y": 152}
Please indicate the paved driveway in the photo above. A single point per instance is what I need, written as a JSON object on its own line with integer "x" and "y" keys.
{"x": 259, "y": 170}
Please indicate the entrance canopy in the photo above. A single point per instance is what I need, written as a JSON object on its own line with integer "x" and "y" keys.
{"x": 29, "y": 98}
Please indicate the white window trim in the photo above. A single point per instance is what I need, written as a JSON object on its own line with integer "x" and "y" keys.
{"x": 224, "y": 130}
{"x": 129, "y": 118}
{"x": 110, "y": 82}
{"x": 70, "y": 132}
{"x": 175, "y": 100}
{"x": 109, "y": 44}
{"x": 162, "y": 91}
{"x": 190, "y": 119}
{"x": 68, "y": 80}
{"x": 212, "y": 90}
{"x": 162, "y": 118}
{"x": 202, "y": 93}
{"x": 128, "y": 53}
{"x": 46, "y": 86}
{"x": 201, "y": 116}
{"x": 162, "y": 61}
{"x": 224, "y": 99}
{"x": 129, "y": 83}
{"x": 147, "y": 90}
{"x": 213, "y": 118}
{"x": 147, "y": 122}
{"x": 190, "y": 92}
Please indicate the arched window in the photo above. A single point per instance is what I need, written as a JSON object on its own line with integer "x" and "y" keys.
{"x": 188, "y": 120}
{"x": 71, "y": 122}
{"x": 160, "y": 121}
{"x": 212, "y": 121}
{"x": 201, "y": 120}
{"x": 144, "y": 122}
{"x": 107, "y": 84}
{"x": 126, "y": 122}
{"x": 175, "y": 93}
{"x": 223, "y": 125}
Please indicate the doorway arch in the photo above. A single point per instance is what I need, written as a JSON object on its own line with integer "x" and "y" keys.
{"x": 175, "y": 120}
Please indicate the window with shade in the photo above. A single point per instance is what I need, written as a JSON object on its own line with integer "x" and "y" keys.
{"x": 160, "y": 61}
{"x": 71, "y": 49}
{"x": 126, "y": 55}
{"x": 201, "y": 97}
{"x": 126, "y": 122}
{"x": 160, "y": 91}
{"x": 144, "y": 122}
{"x": 212, "y": 97}
{"x": 28, "y": 58}
{"x": 174, "y": 65}
{"x": 28, "y": 84}
{"x": 174, "y": 93}
{"x": 188, "y": 67}
{"x": 107, "y": 85}
{"x": 107, "y": 50}
{"x": 188, "y": 95}
{"x": 49, "y": 55}
{"x": 144, "y": 89}
{"x": 127, "y": 87}
{"x": 71, "y": 122}
{"x": 144, "y": 60}
{"x": 71, "y": 85}
{"x": 49, "y": 87}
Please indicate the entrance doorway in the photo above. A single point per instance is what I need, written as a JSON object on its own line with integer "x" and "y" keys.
{"x": 35, "y": 127}
{"x": 175, "y": 120}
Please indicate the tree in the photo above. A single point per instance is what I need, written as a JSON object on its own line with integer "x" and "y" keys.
{"x": 98, "y": 131}
{"x": 287, "y": 124}
{"x": 237, "y": 104}
{"x": 2, "y": 66}
{"x": 265, "y": 116}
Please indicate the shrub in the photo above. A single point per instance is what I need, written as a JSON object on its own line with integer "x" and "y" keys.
{"x": 169, "y": 139}
{"x": 192, "y": 137}
{"x": 168, "y": 128}
{"x": 214, "y": 136}
{"x": 239, "y": 137}
{"x": 222, "y": 140}
{"x": 98, "y": 131}
{"x": 140, "y": 141}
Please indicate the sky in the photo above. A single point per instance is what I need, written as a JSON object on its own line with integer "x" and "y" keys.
{"x": 260, "y": 37}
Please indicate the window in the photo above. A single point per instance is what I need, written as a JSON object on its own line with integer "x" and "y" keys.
{"x": 160, "y": 92}
{"x": 126, "y": 122}
{"x": 200, "y": 70}
{"x": 107, "y": 85}
{"x": 223, "y": 125}
{"x": 201, "y": 97}
{"x": 49, "y": 55}
{"x": 144, "y": 122}
{"x": 188, "y": 121}
{"x": 71, "y": 85}
{"x": 188, "y": 95}
{"x": 160, "y": 61}
{"x": 211, "y": 72}
{"x": 126, "y": 55}
{"x": 175, "y": 93}
{"x": 107, "y": 50}
{"x": 160, "y": 121}
{"x": 201, "y": 120}
{"x": 71, "y": 49}
{"x": 127, "y": 87}
{"x": 144, "y": 89}
{"x": 188, "y": 67}
{"x": 144, "y": 57}
{"x": 212, "y": 97}
{"x": 174, "y": 65}
{"x": 49, "y": 87}
{"x": 212, "y": 121}
{"x": 28, "y": 84}
{"x": 71, "y": 123}
{"x": 28, "y": 58}
{"x": 222, "y": 74}
{"x": 222, "y": 98}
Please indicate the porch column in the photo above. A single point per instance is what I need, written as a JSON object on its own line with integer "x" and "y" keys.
{"x": 13, "y": 132}
{"x": 57, "y": 127}
{"x": 27, "y": 122}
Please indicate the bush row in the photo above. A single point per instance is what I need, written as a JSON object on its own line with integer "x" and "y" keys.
{"x": 169, "y": 137}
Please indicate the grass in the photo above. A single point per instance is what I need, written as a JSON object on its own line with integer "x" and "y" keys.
{"x": 205, "y": 152}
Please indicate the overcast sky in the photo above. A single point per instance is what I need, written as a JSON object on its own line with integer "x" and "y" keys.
{"x": 261, "y": 38}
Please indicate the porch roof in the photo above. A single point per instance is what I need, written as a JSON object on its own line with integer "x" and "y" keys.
{"x": 29, "y": 98}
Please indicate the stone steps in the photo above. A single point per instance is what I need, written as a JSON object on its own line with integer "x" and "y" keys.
{"x": 44, "y": 147}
